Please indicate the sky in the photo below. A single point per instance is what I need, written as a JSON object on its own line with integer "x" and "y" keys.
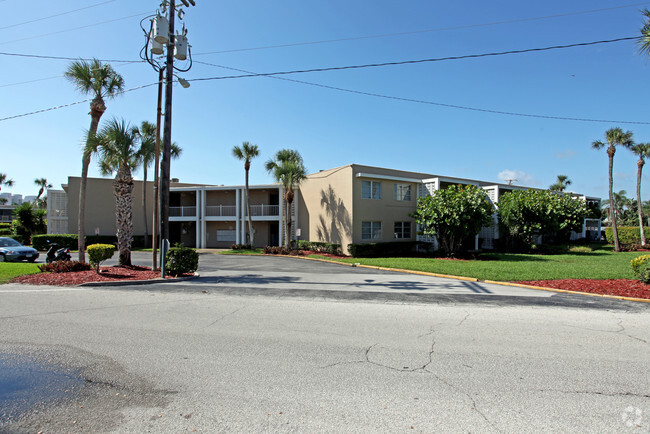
{"x": 404, "y": 116}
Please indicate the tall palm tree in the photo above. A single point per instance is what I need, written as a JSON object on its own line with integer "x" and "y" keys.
{"x": 644, "y": 40}
{"x": 43, "y": 184}
{"x": 614, "y": 137}
{"x": 117, "y": 146}
{"x": 560, "y": 184}
{"x": 288, "y": 169}
{"x": 247, "y": 152}
{"x": 5, "y": 181}
{"x": 641, "y": 150}
{"x": 147, "y": 156}
{"x": 100, "y": 81}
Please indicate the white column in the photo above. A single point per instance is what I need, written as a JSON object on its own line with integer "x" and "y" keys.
{"x": 204, "y": 226}
{"x": 295, "y": 204}
{"x": 242, "y": 192}
{"x": 237, "y": 228}
{"x": 197, "y": 219}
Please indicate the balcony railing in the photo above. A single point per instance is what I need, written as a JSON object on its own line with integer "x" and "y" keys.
{"x": 6, "y": 218}
{"x": 221, "y": 211}
{"x": 182, "y": 211}
{"x": 264, "y": 210}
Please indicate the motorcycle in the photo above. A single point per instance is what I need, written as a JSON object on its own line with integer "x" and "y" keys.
{"x": 56, "y": 254}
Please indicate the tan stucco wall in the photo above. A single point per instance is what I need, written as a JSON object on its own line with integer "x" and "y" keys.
{"x": 100, "y": 206}
{"x": 220, "y": 197}
{"x": 325, "y": 207}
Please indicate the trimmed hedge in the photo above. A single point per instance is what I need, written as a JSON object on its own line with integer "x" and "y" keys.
{"x": 98, "y": 253}
{"x": 627, "y": 234}
{"x": 319, "y": 247}
{"x": 40, "y": 242}
{"x": 182, "y": 260}
{"x": 391, "y": 248}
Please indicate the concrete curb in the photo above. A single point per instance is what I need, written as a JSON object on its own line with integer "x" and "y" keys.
{"x": 473, "y": 279}
{"x": 140, "y": 282}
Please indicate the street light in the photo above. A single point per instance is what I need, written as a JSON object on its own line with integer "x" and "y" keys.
{"x": 159, "y": 36}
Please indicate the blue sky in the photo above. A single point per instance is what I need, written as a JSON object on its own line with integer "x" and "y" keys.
{"x": 329, "y": 127}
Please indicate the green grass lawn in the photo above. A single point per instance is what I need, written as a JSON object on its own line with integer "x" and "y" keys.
{"x": 598, "y": 264}
{"x": 9, "y": 270}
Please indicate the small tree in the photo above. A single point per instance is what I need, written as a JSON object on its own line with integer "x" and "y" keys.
{"x": 29, "y": 221}
{"x": 453, "y": 214}
{"x": 528, "y": 213}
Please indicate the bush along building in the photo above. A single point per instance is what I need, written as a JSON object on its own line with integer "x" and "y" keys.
{"x": 352, "y": 204}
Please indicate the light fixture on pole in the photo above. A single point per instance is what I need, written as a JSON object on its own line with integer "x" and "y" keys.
{"x": 160, "y": 36}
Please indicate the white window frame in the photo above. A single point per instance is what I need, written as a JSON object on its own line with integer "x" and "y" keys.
{"x": 399, "y": 231}
{"x": 375, "y": 230}
{"x": 373, "y": 189}
{"x": 403, "y": 192}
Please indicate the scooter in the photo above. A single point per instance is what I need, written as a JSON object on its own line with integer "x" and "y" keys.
{"x": 56, "y": 254}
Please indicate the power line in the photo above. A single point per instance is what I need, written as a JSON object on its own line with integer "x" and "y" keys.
{"x": 439, "y": 29}
{"x": 38, "y": 56}
{"x": 57, "y": 15}
{"x": 411, "y": 62}
{"x": 418, "y": 101}
{"x": 73, "y": 29}
{"x": 73, "y": 103}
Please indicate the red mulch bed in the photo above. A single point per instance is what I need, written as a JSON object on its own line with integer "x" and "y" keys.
{"x": 107, "y": 274}
{"x": 618, "y": 287}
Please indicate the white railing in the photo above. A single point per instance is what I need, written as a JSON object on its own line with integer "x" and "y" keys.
{"x": 6, "y": 218}
{"x": 264, "y": 210}
{"x": 221, "y": 211}
{"x": 182, "y": 211}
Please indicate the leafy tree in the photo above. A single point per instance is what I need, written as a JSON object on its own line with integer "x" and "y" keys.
{"x": 29, "y": 221}
{"x": 117, "y": 145}
{"x": 525, "y": 214}
{"x": 100, "y": 81}
{"x": 247, "y": 152}
{"x": 561, "y": 184}
{"x": 288, "y": 169}
{"x": 147, "y": 157}
{"x": 454, "y": 214}
{"x": 614, "y": 137}
{"x": 641, "y": 150}
{"x": 5, "y": 181}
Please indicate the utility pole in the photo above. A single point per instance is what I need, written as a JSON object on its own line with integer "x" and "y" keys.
{"x": 156, "y": 193}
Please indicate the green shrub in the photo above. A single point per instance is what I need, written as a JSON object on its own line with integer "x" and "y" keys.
{"x": 240, "y": 247}
{"x": 5, "y": 232}
{"x": 42, "y": 242}
{"x": 276, "y": 250}
{"x": 637, "y": 262}
{"x": 644, "y": 273}
{"x": 320, "y": 247}
{"x": 97, "y": 253}
{"x": 627, "y": 234}
{"x": 391, "y": 248}
{"x": 64, "y": 267}
{"x": 182, "y": 260}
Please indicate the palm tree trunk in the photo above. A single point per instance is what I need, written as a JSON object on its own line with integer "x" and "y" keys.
{"x": 144, "y": 205}
{"x": 639, "y": 166}
{"x": 289, "y": 246}
{"x": 250, "y": 218}
{"x": 123, "y": 186}
{"x": 612, "y": 204}
{"x": 97, "y": 109}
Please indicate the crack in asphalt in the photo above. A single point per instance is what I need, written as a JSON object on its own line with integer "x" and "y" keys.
{"x": 594, "y": 392}
{"x": 619, "y": 331}
{"x": 224, "y": 316}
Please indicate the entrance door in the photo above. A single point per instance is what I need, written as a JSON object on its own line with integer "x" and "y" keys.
{"x": 274, "y": 234}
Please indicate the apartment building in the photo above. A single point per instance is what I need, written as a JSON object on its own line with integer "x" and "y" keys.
{"x": 348, "y": 204}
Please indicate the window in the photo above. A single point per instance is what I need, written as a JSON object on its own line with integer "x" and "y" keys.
{"x": 402, "y": 191}
{"x": 402, "y": 229}
{"x": 370, "y": 230}
{"x": 370, "y": 190}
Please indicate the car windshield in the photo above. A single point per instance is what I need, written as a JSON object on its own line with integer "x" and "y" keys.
{"x": 9, "y": 242}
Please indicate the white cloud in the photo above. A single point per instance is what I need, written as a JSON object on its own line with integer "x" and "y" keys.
{"x": 517, "y": 177}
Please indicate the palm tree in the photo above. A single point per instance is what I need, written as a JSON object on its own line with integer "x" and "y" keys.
{"x": 613, "y": 136}
{"x": 117, "y": 146}
{"x": 100, "y": 81}
{"x": 5, "y": 181}
{"x": 43, "y": 184}
{"x": 247, "y": 152}
{"x": 641, "y": 150}
{"x": 147, "y": 156}
{"x": 561, "y": 184}
{"x": 644, "y": 40}
{"x": 288, "y": 169}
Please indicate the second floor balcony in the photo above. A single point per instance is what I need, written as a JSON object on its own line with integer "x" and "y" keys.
{"x": 225, "y": 211}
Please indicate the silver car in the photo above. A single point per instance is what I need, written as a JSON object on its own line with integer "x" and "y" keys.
{"x": 12, "y": 250}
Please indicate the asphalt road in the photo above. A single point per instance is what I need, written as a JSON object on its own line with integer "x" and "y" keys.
{"x": 275, "y": 344}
